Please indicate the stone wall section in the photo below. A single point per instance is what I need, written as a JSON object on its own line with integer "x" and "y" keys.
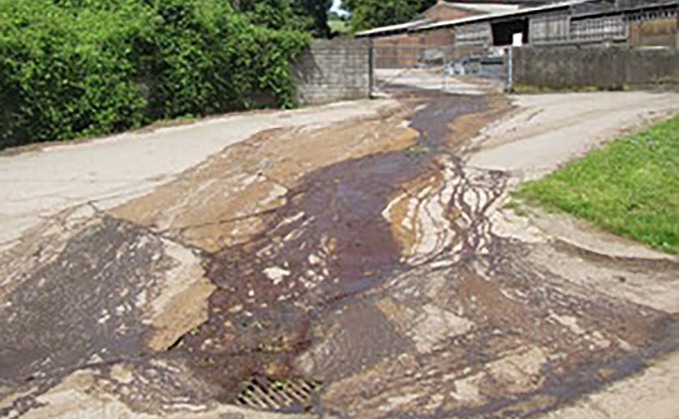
{"x": 333, "y": 70}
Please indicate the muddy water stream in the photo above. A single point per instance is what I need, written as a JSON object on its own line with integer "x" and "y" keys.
{"x": 361, "y": 270}
{"x": 381, "y": 283}
{"x": 328, "y": 243}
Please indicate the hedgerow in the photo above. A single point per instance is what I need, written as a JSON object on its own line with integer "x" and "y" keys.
{"x": 87, "y": 67}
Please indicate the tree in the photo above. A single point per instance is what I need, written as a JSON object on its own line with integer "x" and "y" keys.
{"x": 305, "y": 15}
{"x": 274, "y": 14}
{"x": 316, "y": 11}
{"x": 366, "y": 14}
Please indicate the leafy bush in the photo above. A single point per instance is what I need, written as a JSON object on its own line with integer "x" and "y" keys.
{"x": 86, "y": 67}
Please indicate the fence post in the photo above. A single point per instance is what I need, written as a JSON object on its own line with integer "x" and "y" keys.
{"x": 371, "y": 67}
{"x": 510, "y": 69}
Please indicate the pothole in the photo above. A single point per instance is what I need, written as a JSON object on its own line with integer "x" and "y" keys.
{"x": 291, "y": 395}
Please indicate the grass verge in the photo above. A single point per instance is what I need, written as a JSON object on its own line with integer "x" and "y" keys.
{"x": 629, "y": 187}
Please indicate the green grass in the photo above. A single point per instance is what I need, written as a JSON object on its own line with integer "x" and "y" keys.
{"x": 629, "y": 187}
{"x": 531, "y": 89}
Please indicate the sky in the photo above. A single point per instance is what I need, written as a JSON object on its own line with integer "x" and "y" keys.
{"x": 336, "y": 5}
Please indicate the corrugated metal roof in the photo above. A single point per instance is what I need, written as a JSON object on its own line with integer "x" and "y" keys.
{"x": 393, "y": 28}
{"x": 483, "y": 7}
{"x": 427, "y": 25}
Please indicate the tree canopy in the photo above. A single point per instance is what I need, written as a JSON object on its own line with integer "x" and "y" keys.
{"x": 303, "y": 15}
{"x": 366, "y": 14}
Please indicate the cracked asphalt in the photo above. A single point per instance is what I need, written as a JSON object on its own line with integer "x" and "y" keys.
{"x": 348, "y": 261}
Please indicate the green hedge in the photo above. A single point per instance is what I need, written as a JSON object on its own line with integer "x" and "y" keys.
{"x": 87, "y": 67}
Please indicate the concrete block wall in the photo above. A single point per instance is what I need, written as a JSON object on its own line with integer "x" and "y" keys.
{"x": 333, "y": 70}
{"x": 595, "y": 67}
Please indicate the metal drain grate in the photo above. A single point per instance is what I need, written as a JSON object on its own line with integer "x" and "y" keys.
{"x": 295, "y": 394}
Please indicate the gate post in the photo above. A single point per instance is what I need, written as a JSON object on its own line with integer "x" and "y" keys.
{"x": 371, "y": 67}
{"x": 510, "y": 69}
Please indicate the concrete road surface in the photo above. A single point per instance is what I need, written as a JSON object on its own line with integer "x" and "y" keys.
{"x": 349, "y": 261}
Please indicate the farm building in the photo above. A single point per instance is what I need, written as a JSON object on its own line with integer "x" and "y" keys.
{"x": 478, "y": 27}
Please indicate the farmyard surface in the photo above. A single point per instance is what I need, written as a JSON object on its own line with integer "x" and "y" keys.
{"x": 349, "y": 261}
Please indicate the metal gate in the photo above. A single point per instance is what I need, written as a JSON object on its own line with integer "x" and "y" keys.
{"x": 398, "y": 67}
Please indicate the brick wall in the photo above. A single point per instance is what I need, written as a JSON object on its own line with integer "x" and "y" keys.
{"x": 333, "y": 70}
{"x": 442, "y": 37}
{"x": 398, "y": 51}
{"x": 442, "y": 12}
{"x": 406, "y": 50}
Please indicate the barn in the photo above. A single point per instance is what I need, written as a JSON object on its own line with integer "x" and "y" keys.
{"x": 451, "y": 31}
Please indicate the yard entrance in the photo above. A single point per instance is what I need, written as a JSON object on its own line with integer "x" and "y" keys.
{"x": 403, "y": 68}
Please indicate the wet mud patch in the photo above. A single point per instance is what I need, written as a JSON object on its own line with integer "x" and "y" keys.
{"x": 354, "y": 336}
{"x": 225, "y": 201}
{"x": 89, "y": 304}
{"x": 494, "y": 337}
{"x": 328, "y": 242}
{"x": 367, "y": 282}
{"x": 82, "y": 304}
